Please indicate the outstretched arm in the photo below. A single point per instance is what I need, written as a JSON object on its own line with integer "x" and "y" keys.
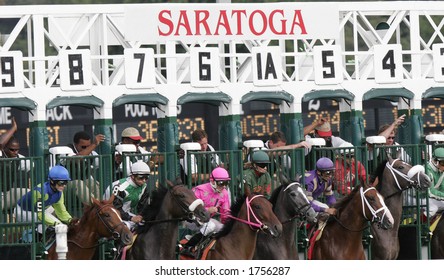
{"x": 4, "y": 138}
{"x": 309, "y": 128}
{"x": 386, "y": 133}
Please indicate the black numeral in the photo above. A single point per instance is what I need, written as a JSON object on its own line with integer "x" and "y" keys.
{"x": 7, "y": 68}
{"x": 75, "y": 69}
{"x": 140, "y": 56}
{"x": 328, "y": 64}
{"x": 388, "y": 62}
{"x": 204, "y": 69}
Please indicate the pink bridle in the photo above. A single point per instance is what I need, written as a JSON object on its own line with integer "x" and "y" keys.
{"x": 258, "y": 224}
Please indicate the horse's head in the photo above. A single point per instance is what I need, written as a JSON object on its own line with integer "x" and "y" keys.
{"x": 296, "y": 199}
{"x": 260, "y": 211}
{"x": 406, "y": 176}
{"x": 109, "y": 224}
{"x": 374, "y": 208}
{"x": 189, "y": 206}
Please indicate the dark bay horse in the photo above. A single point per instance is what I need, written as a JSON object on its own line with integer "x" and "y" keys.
{"x": 99, "y": 220}
{"x": 395, "y": 176}
{"x": 168, "y": 206}
{"x": 341, "y": 238}
{"x": 237, "y": 239}
{"x": 437, "y": 242}
{"x": 290, "y": 204}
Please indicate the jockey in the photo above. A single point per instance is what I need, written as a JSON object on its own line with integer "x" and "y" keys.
{"x": 318, "y": 182}
{"x": 52, "y": 193}
{"x": 128, "y": 192}
{"x": 216, "y": 200}
{"x": 256, "y": 179}
{"x": 435, "y": 170}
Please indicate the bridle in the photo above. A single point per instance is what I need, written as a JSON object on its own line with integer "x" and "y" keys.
{"x": 187, "y": 209}
{"x": 374, "y": 212}
{"x": 111, "y": 229}
{"x": 301, "y": 211}
{"x": 414, "y": 171}
{"x": 254, "y": 225}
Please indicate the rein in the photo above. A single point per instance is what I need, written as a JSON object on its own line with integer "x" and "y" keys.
{"x": 258, "y": 223}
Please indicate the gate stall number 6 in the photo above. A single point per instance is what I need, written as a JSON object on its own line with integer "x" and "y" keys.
{"x": 75, "y": 70}
{"x": 11, "y": 71}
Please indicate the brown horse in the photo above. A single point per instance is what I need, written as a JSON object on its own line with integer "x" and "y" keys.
{"x": 100, "y": 220}
{"x": 237, "y": 240}
{"x": 395, "y": 177}
{"x": 341, "y": 239}
{"x": 167, "y": 207}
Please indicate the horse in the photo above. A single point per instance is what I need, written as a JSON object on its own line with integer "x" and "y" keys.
{"x": 237, "y": 239}
{"x": 341, "y": 238}
{"x": 168, "y": 206}
{"x": 100, "y": 220}
{"x": 395, "y": 176}
{"x": 437, "y": 241}
{"x": 290, "y": 204}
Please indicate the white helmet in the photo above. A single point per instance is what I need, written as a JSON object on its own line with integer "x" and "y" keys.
{"x": 140, "y": 167}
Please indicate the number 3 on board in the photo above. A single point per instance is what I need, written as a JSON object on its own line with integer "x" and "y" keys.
{"x": 11, "y": 71}
{"x": 75, "y": 70}
{"x": 388, "y": 63}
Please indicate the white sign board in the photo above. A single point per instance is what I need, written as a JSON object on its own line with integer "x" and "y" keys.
{"x": 11, "y": 71}
{"x": 221, "y": 22}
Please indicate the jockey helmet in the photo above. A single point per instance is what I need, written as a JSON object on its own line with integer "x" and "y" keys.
{"x": 438, "y": 154}
{"x": 140, "y": 167}
{"x": 260, "y": 157}
{"x": 325, "y": 164}
{"x": 220, "y": 174}
{"x": 59, "y": 172}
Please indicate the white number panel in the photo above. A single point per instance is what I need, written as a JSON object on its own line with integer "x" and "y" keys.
{"x": 327, "y": 65}
{"x": 438, "y": 62}
{"x": 75, "y": 70}
{"x": 11, "y": 71}
{"x": 388, "y": 63}
{"x": 204, "y": 67}
{"x": 139, "y": 68}
{"x": 267, "y": 66}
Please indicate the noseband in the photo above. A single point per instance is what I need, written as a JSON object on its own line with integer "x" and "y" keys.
{"x": 257, "y": 225}
{"x": 374, "y": 212}
{"x": 114, "y": 233}
{"x": 302, "y": 211}
{"x": 415, "y": 170}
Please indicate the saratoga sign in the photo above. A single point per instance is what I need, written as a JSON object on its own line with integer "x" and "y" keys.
{"x": 221, "y": 22}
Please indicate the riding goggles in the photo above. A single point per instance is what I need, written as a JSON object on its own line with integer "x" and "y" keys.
{"x": 262, "y": 165}
{"x": 327, "y": 173}
{"x": 141, "y": 177}
{"x": 61, "y": 183}
{"x": 222, "y": 183}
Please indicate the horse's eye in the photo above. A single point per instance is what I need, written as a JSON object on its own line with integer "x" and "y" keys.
{"x": 293, "y": 194}
{"x": 400, "y": 167}
{"x": 107, "y": 215}
{"x": 257, "y": 207}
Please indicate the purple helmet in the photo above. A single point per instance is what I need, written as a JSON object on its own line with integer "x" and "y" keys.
{"x": 325, "y": 164}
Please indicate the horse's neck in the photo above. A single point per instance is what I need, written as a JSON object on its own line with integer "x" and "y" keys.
{"x": 392, "y": 196}
{"x": 241, "y": 240}
{"x": 352, "y": 216}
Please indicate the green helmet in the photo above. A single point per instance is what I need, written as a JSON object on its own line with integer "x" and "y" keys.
{"x": 438, "y": 154}
{"x": 260, "y": 157}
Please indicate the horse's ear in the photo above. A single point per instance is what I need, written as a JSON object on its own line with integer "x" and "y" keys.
{"x": 169, "y": 183}
{"x": 94, "y": 200}
{"x": 111, "y": 199}
{"x": 179, "y": 181}
{"x": 284, "y": 179}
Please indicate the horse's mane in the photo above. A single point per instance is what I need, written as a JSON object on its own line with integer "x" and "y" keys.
{"x": 151, "y": 210}
{"x": 275, "y": 195}
{"x": 379, "y": 171}
{"x": 345, "y": 200}
{"x": 74, "y": 227}
{"x": 235, "y": 208}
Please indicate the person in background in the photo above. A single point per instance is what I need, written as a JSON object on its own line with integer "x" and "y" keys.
{"x": 389, "y": 132}
{"x": 322, "y": 129}
{"x": 82, "y": 167}
{"x": 318, "y": 183}
{"x": 346, "y": 169}
{"x": 209, "y": 162}
{"x": 30, "y": 207}
{"x": 256, "y": 179}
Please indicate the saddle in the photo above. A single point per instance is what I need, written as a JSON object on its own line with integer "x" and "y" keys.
{"x": 316, "y": 233}
{"x": 198, "y": 252}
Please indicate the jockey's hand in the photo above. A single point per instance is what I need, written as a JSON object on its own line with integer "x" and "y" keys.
{"x": 212, "y": 210}
{"x": 331, "y": 211}
{"x": 136, "y": 219}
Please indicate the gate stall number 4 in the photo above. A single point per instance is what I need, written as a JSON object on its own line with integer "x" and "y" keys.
{"x": 388, "y": 63}
{"x": 11, "y": 71}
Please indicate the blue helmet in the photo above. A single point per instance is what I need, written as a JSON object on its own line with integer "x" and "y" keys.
{"x": 59, "y": 172}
